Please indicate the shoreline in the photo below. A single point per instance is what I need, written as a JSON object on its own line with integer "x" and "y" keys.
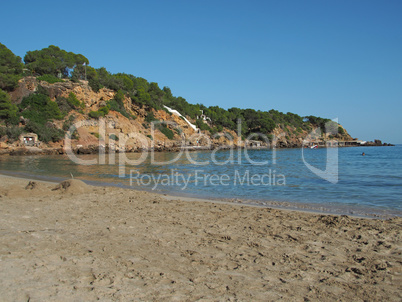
{"x": 96, "y": 149}
{"x": 185, "y": 198}
{"x": 72, "y": 241}
{"x": 355, "y": 211}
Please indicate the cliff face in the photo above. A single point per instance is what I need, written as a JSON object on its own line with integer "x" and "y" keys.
{"x": 115, "y": 130}
{"x": 81, "y": 89}
{"x": 292, "y": 137}
{"x": 121, "y": 133}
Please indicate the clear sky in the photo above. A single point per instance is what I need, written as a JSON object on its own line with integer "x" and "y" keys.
{"x": 334, "y": 59}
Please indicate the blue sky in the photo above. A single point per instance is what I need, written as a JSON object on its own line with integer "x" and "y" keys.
{"x": 334, "y": 59}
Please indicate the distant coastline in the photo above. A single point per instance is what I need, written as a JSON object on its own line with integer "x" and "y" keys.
{"x": 96, "y": 149}
{"x": 55, "y": 98}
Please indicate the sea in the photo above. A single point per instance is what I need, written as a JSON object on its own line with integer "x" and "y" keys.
{"x": 358, "y": 181}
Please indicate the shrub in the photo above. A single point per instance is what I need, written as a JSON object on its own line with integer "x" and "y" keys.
{"x": 270, "y": 137}
{"x": 46, "y": 133}
{"x": 96, "y": 134}
{"x": 101, "y": 112}
{"x": 167, "y": 111}
{"x": 67, "y": 104}
{"x": 114, "y": 137}
{"x": 229, "y": 136}
{"x": 51, "y": 79}
{"x": 166, "y": 131}
{"x": 104, "y": 110}
{"x": 63, "y": 105}
{"x": 42, "y": 90}
{"x": 118, "y": 107}
{"x": 74, "y": 102}
{"x": 95, "y": 114}
{"x": 200, "y": 124}
{"x": 69, "y": 122}
{"x": 40, "y": 109}
{"x": 150, "y": 136}
{"x": 150, "y": 117}
{"x": 213, "y": 131}
{"x": 13, "y": 132}
{"x": 95, "y": 84}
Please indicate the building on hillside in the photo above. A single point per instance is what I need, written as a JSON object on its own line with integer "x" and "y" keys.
{"x": 253, "y": 144}
{"x": 29, "y": 139}
{"x": 203, "y": 117}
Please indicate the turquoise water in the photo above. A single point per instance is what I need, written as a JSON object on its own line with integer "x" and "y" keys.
{"x": 355, "y": 184}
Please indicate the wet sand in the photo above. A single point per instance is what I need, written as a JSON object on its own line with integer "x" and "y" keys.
{"x": 73, "y": 242}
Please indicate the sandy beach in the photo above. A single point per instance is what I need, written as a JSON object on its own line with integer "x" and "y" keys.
{"x": 74, "y": 242}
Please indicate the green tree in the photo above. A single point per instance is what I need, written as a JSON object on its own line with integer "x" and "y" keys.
{"x": 81, "y": 72}
{"x": 39, "y": 108}
{"x": 117, "y": 104}
{"x": 8, "y": 111}
{"x": 53, "y": 60}
{"x": 168, "y": 92}
{"x": 142, "y": 97}
{"x": 46, "y": 133}
{"x": 10, "y": 69}
{"x": 127, "y": 83}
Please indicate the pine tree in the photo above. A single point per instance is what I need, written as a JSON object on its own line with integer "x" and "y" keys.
{"x": 8, "y": 111}
{"x": 10, "y": 68}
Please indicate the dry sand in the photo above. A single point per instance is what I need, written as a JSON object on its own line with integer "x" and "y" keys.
{"x": 74, "y": 242}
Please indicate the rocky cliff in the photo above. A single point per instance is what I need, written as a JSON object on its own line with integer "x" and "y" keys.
{"x": 118, "y": 132}
{"x": 114, "y": 130}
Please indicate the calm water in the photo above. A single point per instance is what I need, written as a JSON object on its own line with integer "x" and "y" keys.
{"x": 360, "y": 185}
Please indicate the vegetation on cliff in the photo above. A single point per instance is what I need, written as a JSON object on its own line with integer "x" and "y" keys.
{"x": 8, "y": 111}
{"x": 10, "y": 68}
{"x": 53, "y": 65}
{"x": 53, "y": 61}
